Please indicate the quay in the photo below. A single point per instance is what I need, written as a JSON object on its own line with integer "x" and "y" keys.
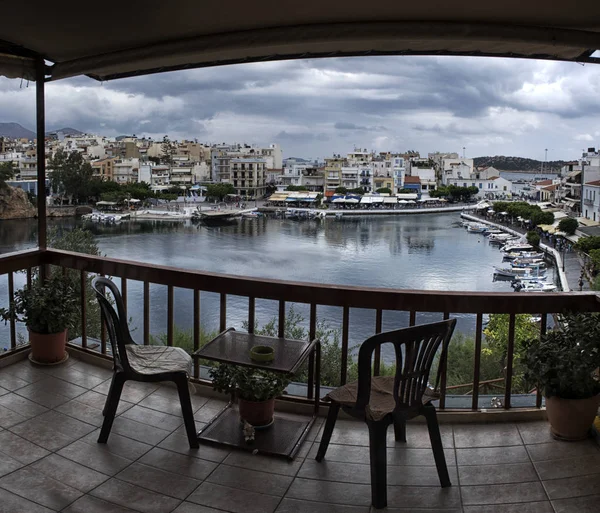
{"x": 564, "y": 282}
{"x": 369, "y": 212}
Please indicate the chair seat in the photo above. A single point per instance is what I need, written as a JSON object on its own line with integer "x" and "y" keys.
{"x": 157, "y": 359}
{"x": 381, "y": 402}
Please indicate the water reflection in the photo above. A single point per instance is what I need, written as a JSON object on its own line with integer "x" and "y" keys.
{"x": 423, "y": 251}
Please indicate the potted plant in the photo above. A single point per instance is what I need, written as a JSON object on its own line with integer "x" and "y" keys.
{"x": 254, "y": 389}
{"x": 564, "y": 363}
{"x": 48, "y": 308}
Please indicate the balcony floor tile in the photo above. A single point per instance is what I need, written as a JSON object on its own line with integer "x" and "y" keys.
{"x": 50, "y": 459}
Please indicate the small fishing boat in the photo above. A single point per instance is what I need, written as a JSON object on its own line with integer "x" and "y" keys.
{"x": 536, "y": 287}
{"x": 525, "y": 254}
{"x": 517, "y": 248}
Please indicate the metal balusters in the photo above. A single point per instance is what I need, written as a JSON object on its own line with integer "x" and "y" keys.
{"x": 312, "y": 334}
{"x": 11, "y": 297}
{"x": 378, "y": 325}
{"x": 510, "y": 353}
{"x": 223, "y": 312}
{"x": 124, "y": 292}
{"x": 345, "y": 327}
{"x": 538, "y": 391}
{"x": 251, "y": 314}
{"x": 477, "y": 361}
{"x": 412, "y": 320}
{"x": 170, "y": 321}
{"x": 83, "y": 306}
{"x": 281, "y": 328}
{"x": 29, "y": 277}
{"x": 444, "y": 375}
{"x": 196, "y": 331}
{"x": 146, "y": 313}
{"x": 318, "y": 372}
{"x": 102, "y": 330}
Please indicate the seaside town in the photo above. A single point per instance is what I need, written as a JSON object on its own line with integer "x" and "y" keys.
{"x": 361, "y": 179}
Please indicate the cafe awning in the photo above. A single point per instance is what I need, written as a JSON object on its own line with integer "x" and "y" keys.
{"x": 151, "y": 37}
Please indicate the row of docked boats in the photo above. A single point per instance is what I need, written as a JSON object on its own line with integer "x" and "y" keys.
{"x": 525, "y": 267}
{"x": 100, "y": 217}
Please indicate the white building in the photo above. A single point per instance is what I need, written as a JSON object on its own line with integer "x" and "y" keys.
{"x": 126, "y": 170}
{"x": 427, "y": 176}
{"x": 350, "y": 177}
{"x": 591, "y": 201}
{"x": 456, "y": 169}
{"x": 494, "y": 188}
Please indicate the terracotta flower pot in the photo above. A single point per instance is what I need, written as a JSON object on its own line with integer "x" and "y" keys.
{"x": 571, "y": 419}
{"x": 48, "y": 348}
{"x": 257, "y": 413}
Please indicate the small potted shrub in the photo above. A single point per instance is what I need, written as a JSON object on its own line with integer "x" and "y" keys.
{"x": 48, "y": 308}
{"x": 254, "y": 389}
{"x": 564, "y": 363}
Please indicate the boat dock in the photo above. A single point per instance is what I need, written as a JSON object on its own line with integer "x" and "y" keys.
{"x": 564, "y": 283}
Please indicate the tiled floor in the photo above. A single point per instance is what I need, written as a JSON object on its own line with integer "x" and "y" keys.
{"x": 50, "y": 461}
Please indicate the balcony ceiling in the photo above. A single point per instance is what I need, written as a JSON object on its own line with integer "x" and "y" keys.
{"x": 138, "y": 38}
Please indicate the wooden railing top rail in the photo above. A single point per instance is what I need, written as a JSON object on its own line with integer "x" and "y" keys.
{"x": 330, "y": 295}
{"x": 19, "y": 260}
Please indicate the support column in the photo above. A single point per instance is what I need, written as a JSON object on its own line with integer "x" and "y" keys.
{"x": 40, "y": 114}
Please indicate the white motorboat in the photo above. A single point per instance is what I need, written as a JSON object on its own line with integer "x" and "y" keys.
{"x": 476, "y": 228}
{"x": 525, "y": 254}
{"x": 514, "y": 272}
{"x": 536, "y": 287}
{"x": 517, "y": 248}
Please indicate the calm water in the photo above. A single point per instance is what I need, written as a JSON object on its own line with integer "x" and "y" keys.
{"x": 427, "y": 251}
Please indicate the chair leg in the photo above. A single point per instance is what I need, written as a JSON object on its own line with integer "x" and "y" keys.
{"x": 110, "y": 407}
{"x": 334, "y": 409}
{"x": 436, "y": 445}
{"x": 400, "y": 428}
{"x": 187, "y": 412}
{"x": 377, "y": 452}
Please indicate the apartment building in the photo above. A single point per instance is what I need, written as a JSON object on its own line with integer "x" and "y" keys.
{"x": 591, "y": 201}
{"x": 248, "y": 176}
{"x": 104, "y": 168}
{"x": 333, "y": 172}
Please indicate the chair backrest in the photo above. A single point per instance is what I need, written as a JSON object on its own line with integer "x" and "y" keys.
{"x": 116, "y": 321}
{"x": 415, "y": 349}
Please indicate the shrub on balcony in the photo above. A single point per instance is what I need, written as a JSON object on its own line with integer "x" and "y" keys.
{"x": 564, "y": 362}
{"x": 47, "y": 307}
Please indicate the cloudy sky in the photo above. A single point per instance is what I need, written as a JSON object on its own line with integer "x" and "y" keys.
{"x": 314, "y": 108}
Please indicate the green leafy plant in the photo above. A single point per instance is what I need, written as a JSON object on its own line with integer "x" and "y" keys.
{"x": 568, "y": 225}
{"x": 564, "y": 362}
{"x": 533, "y": 238}
{"x": 246, "y": 383}
{"x": 47, "y": 307}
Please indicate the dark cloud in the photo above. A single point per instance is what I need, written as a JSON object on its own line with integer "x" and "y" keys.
{"x": 313, "y": 107}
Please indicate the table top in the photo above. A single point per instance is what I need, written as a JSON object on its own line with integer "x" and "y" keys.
{"x": 234, "y": 347}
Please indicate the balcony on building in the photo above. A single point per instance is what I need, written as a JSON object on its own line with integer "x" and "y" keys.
{"x": 500, "y": 454}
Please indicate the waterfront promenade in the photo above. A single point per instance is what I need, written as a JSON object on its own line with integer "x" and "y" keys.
{"x": 569, "y": 270}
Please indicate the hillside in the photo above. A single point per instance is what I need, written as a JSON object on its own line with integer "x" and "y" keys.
{"x": 503, "y": 163}
{"x": 17, "y": 131}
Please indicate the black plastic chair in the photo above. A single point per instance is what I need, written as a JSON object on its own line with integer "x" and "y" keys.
{"x": 140, "y": 363}
{"x": 382, "y": 401}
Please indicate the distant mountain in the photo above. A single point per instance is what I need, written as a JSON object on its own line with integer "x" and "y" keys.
{"x": 503, "y": 163}
{"x": 15, "y": 131}
{"x": 66, "y": 131}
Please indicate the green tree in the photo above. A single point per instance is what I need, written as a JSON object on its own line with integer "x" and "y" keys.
{"x": 586, "y": 244}
{"x": 568, "y": 225}
{"x": 533, "y": 238}
{"x": 167, "y": 151}
{"x": 496, "y": 336}
{"x": 292, "y": 188}
{"x": 542, "y": 217}
{"x": 71, "y": 176}
{"x": 384, "y": 190}
{"x": 341, "y": 190}
{"x": 218, "y": 191}
{"x": 7, "y": 172}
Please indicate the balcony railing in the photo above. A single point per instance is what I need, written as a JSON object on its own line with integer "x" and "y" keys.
{"x": 348, "y": 298}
